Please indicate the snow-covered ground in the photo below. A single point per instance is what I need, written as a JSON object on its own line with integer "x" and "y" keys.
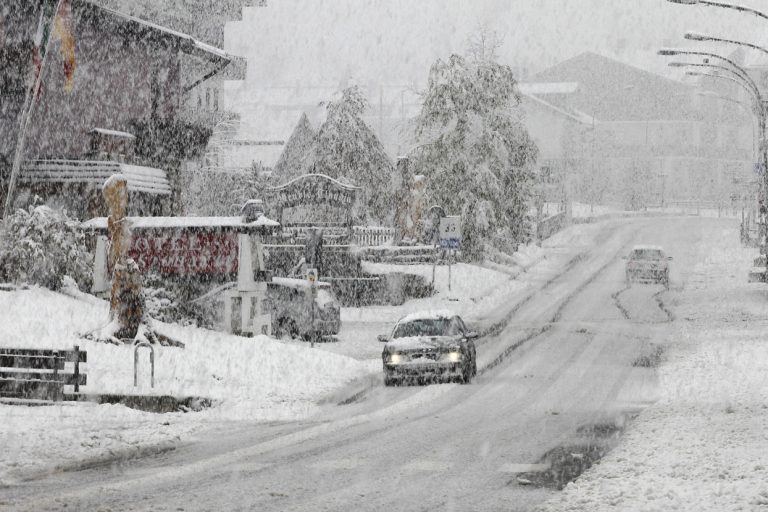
{"x": 702, "y": 446}
{"x": 249, "y": 378}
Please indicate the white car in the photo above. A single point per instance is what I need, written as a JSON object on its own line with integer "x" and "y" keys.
{"x": 429, "y": 345}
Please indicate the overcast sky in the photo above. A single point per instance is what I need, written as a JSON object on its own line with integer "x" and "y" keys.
{"x": 315, "y": 42}
{"x": 301, "y": 51}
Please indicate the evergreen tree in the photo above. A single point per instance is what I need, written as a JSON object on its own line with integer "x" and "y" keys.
{"x": 298, "y": 148}
{"x": 347, "y": 149}
{"x": 475, "y": 150}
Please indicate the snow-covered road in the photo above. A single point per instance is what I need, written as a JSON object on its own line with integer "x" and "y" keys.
{"x": 564, "y": 363}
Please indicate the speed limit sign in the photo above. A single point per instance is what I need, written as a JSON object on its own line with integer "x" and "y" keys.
{"x": 450, "y": 232}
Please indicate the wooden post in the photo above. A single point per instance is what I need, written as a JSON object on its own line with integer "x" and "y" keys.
{"x": 77, "y": 369}
{"x": 126, "y": 303}
{"x": 56, "y": 373}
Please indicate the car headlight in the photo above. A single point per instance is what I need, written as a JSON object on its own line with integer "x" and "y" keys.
{"x": 396, "y": 358}
{"x": 453, "y": 357}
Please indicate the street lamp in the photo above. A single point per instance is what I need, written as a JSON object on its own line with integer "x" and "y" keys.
{"x": 748, "y": 81}
{"x": 696, "y": 36}
{"x": 740, "y": 8}
{"x": 670, "y": 52}
{"x": 762, "y": 164}
{"x": 763, "y": 204}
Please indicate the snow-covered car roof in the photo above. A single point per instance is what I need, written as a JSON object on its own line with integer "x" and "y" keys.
{"x": 648, "y": 248}
{"x": 427, "y": 315}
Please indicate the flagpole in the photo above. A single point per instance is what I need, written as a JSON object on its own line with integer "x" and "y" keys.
{"x": 26, "y": 116}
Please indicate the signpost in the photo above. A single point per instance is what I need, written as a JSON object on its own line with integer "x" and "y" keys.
{"x": 450, "y": 239}
{"x": 312, "y": 279}
{"x": 450, "y": 232}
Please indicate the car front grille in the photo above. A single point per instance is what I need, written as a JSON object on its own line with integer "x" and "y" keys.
{"x": 425, "y": 356}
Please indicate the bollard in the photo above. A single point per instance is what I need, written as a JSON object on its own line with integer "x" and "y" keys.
{"x": 136, "y": 362}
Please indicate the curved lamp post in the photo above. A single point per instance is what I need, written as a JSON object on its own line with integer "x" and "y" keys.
{"x": 764, "y": 183}
{"x": 709, "y": 3}
{"x": 696, "y": 36}
{"x": 763, "y": 154}
{"x": 671, "y": 52}
{"x": 747, "y": 81}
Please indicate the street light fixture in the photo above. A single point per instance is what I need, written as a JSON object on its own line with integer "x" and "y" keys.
{"x": 740, "y": 8}
{"x": 670, "y": 52}
{"x": 695, "y": 36}
{"x": 740, "y": 83}
{"x": 748, "y": 81}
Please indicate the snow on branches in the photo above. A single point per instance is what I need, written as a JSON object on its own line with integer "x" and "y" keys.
{"x": 41, "y": 246}
{"x": 475, "y": 150}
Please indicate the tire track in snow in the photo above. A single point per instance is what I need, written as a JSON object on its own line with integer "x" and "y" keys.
{"x": 663, "y": 307}
{"x": 619, "y": 305}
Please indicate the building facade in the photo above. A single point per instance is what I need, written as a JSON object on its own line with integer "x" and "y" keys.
{"x": 135, "y": 82}
{"x": 623, "y": 136}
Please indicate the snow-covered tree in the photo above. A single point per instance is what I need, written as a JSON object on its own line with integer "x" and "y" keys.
{"x": 298, "y": 148}
{"x": 347, "y": 149}
{"x": 474, "y": 148}
{"x": 41, "y": 246}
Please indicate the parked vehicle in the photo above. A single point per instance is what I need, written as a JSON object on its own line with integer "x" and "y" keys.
{"x": 292, "y": 311}
{"x": 433, "y": 344}
{"x": 647, "y": 264}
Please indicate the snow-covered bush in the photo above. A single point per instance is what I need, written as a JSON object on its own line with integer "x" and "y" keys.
{"x": 40, "y": 246}
{"x": 174, "y": 301}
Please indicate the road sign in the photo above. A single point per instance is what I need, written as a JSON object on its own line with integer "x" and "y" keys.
{"x": 450, "y": 232}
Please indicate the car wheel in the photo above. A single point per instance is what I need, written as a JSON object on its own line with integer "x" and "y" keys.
{"x": 389, "y": 381}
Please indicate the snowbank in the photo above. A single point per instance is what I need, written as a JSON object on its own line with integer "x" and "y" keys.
{"x": 250, "y": 379}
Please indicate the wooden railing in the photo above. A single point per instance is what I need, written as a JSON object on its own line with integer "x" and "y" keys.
{"x": 372, "y": 236}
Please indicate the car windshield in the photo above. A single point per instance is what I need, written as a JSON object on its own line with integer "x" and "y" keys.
{"x": 646, "y": 254}
{"x": 427, "y": 327}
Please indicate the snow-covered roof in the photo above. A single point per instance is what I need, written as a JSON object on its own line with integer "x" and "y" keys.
{"x": 323, "y": 176}
{"x": 113, "y": 133}
{"x": 575, "y": 115}
{"x": 427, "y": 315}
{"x": 190, "y": 45}
{"x": 100, "y": 223}
{"x": 548, "y": 87}
{"x": 140, "y": 179}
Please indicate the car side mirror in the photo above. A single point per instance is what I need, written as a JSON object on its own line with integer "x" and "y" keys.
{"x": 669, "y": 258}
{"x": 382, "y": 338}
{"x": 471, "y": 335}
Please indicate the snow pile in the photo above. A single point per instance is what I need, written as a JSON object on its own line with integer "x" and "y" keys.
{"x": 702, "y": 445}
{"x": 249, "y": 378}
